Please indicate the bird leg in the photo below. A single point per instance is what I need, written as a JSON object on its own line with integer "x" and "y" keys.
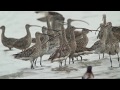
{"x": 73, "y": 60}
{"x": 69, "y": 60}
{"x": 41, "y": 61}
{"x": 103, "y": 55}
{"x": 110, "y": 59}
{"x": 65, "y": 63}
{"x": 35, "y": 61}
{"x": 81, "y": 58}
{"x": 99, "y": 56}
{"x": 10, "y": 49}
{"x": 60, "y": 64}
{"x": 31, "y": 61}
{"x": 77, "y": 58}
{"x": 118, "y": 59}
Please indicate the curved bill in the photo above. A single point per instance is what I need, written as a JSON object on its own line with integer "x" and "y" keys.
{"x": 42, "y": 19}
{"x": 94, "y": 30}
{"x": 87, "y": 29}
{"x": 79, "y": 28}
{"x": 36, "y": 26}
{"x": 63, "y": 23}
{"x": 43, "y": 27}
{"x": 80, "y": 21}
{"x": 98, "y": 28}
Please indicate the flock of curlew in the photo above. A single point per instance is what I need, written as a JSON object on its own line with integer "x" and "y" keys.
{"x": 63, "y": 43}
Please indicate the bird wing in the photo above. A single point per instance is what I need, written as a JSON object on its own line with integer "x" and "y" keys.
{"x": 25, "y": 54}
{"x": 20, "y": 42}
{"x": 55, "y": 55}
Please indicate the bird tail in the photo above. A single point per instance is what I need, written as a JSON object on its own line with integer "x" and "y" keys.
{"x": 17, "y": 56}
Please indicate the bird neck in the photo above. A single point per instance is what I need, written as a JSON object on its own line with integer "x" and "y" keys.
{"x": 38, "y": 41}
{"x": 3, "y": 33}
{"x": 68, "y": 25}
{"x": 72, "y": 35}
{"x": 105, "y": 34}
{"x": 28, "y": 32}
{"x": 64, "y": 36}
{"x": 104, "y": 20}
{"x": 56, "y": 26}
{"x": 46, "y": 38}
{"x": 50, "y": 31}
{"x": 85, "y": 36}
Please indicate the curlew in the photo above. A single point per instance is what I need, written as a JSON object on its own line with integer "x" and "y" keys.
{"x": 115, "y": 29}
{"x": 111, "y": 43}
{"x": 99, "y": 46}
{"x": 89, "y": 74}
{"x": 53, "y": 31}
{"x": 25, "y": 42}
{"x": 7, "y": 42}
{"x": 63, "y": 52}
{"x": 83, "y": 41}
{"x": 72, "y": 43}
{"x": 56, "y": 26}
{"x": 31, "y": 53}
{"x": 45, "y": 44}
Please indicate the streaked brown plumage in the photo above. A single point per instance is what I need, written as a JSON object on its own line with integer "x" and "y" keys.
{"x": 83, "y": 41}
{"x": 98, "y": 47}
{"x": 45, "y": 44}
{"x": 31, "y": 53}
{"x": 112, "y": 43}
{"x": 25, "y": 42}
{"x": 63, "y": 52}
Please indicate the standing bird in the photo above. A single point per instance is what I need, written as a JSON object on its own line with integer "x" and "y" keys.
{"x": 100, "y": 45}
{"x": 72, "y": 43}
{"x": 63, "y": 52}
{"x": 77, "y": 34}
{"x": 89, "y": 74}
{"x": 45, "y": 44}
{"x": 31, "y": 53}
{"x": 55, "y": 31}
{"x": 82, "y": 42}
{"x": 7, "y": 42}
{"x": 112, "y": 43}
{"x": 25, "y": 42}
